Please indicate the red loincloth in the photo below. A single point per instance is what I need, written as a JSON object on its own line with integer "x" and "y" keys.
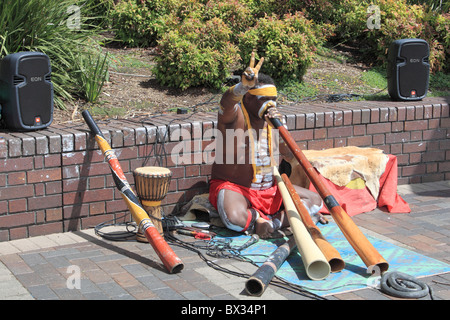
{"x": 267, "y": 202}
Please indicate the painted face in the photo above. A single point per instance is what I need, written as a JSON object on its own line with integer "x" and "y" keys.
{"x": 257, "y": 101}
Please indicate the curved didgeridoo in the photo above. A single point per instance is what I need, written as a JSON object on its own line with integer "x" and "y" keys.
{"x": 170, "y": 260}
{"x": 331, "y": 254}
{"x": 315, "y": 263}
{"x": 366, "y": 251}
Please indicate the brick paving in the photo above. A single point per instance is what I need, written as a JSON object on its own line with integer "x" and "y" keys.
{"x": 45, "y": 267}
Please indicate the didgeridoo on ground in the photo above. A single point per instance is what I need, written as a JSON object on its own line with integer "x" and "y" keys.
{"x": 168, "y": 257}
{"x": 366, "y": 251}
{"x": 331, "y": 254}
{"x": 258, "y": 282}
{"x": 315, "y": 263}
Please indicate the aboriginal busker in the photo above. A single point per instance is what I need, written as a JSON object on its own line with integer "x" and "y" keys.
{"x": 242, "y": 187}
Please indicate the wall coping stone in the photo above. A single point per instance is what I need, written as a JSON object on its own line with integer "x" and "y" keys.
{"x": 71, "y": 137}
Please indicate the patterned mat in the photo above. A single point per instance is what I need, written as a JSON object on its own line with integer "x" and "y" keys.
{"x": 354, "y": 276}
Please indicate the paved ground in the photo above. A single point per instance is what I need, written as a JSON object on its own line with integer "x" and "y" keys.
{"x": 46, "y": 267}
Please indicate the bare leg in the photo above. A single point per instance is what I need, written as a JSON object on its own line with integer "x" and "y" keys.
{"x": 310, "y": 198}
{"x": 235, "y": 212}
{"x": 312, "y": 201}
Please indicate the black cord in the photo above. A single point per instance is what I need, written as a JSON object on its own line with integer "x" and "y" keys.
{"x": 129, "y": 233}
{"x": 222, "y": 248}
{"x": 159, "y": 146}
{"x": 328, "y": 97}
{"x": 402, "y": 285}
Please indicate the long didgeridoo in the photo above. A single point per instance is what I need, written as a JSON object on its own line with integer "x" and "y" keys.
{"x": 331, "y": 254}
{"x": 170, "y": 260}
{"x": 315, "y": 263}
{"x": 367, "y": 252}
{"x": 258, "y": 282}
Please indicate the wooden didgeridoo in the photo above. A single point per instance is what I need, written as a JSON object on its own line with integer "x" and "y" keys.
{"x": 168, "y": 257}
{"x": 258, "y": 282}
{"x": 331, "y": 254}
{"x": 366, "y": 251}
{"x": 315, "y": 263}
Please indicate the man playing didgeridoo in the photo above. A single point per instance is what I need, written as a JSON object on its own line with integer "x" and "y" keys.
{"x": 242, "y": 186}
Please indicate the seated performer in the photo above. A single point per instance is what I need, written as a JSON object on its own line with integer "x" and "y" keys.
{"x": 242, "y": 187}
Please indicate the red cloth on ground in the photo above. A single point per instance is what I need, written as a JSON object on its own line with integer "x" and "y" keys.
{"x": 388, "y": 189}
{"x": 356, "y": 201}
{"x": 267, "y": 202}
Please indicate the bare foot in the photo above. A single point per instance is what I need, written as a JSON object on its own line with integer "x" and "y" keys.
{"x": 263, "y": 228}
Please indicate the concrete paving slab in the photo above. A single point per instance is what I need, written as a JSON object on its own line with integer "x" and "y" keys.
{"x": 46, "y": 267}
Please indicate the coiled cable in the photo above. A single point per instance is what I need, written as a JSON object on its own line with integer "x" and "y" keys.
{"x": 401, "y": 285}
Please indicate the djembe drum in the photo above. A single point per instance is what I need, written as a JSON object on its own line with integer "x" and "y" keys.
{"x": 152, "y": 185}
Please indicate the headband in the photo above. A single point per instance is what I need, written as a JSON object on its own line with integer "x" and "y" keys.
{"x": 268, "y": 91}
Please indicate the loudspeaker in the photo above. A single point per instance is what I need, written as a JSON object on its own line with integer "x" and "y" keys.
{"x": 408, "y": 69}
{"x": 26, "y": 91}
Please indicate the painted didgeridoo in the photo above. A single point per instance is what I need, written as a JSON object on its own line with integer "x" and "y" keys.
{"x": 170, "y": 260}
{"x": 258, "y": 282}
{"x": 369, "y": 255}
{"x": 331, "y": 254}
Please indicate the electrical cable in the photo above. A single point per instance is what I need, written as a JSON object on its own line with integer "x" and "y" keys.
{"x": 401, "y": 285}
{"x": 222, "y": 248}
{"x": 129, "y": 233}
{"x": 334, "y": 97}
{"x": 130, "y": 74}
{"x": 159, "y": 146}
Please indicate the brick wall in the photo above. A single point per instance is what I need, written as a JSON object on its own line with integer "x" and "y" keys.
{"x": 56, "y": 180}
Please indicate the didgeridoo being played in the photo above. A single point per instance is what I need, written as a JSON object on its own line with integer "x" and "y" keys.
{"x": 315, "y": 263}
{"x": 168, "y": 257}
{"x": 367, "y": 252}
{"x": 331, "y": 254}
{"x": 258, "y": 282}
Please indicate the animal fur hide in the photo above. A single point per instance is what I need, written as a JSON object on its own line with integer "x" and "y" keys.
{"x": 342, "y": 165}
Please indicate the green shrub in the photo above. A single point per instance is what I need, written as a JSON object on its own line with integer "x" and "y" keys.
{"x": 197, "y": 39}
{"x": 433, "y": 5}
{"x": 288, "y": 45}
{"x": 261, "y": 8}
{"x": 334, "y": 12}
{"x": 400, "y": 21}
{"x": 437, "y": 32}
{"x": 194, "y": 37}
{"x": 100, "y": 11}
{"x": 49, "y": 26}
{"x": 132, "y": 23}
{"x": 137, "y": 23}
{"x": 92, "y": 74}
{"x": 236, "y": 14}
{"x": 142, "y": 24}
{"x": 196, "y": 53}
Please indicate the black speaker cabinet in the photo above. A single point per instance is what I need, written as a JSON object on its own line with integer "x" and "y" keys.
{"x": 408, "y": 69}
{"x": 26, "y": 91}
